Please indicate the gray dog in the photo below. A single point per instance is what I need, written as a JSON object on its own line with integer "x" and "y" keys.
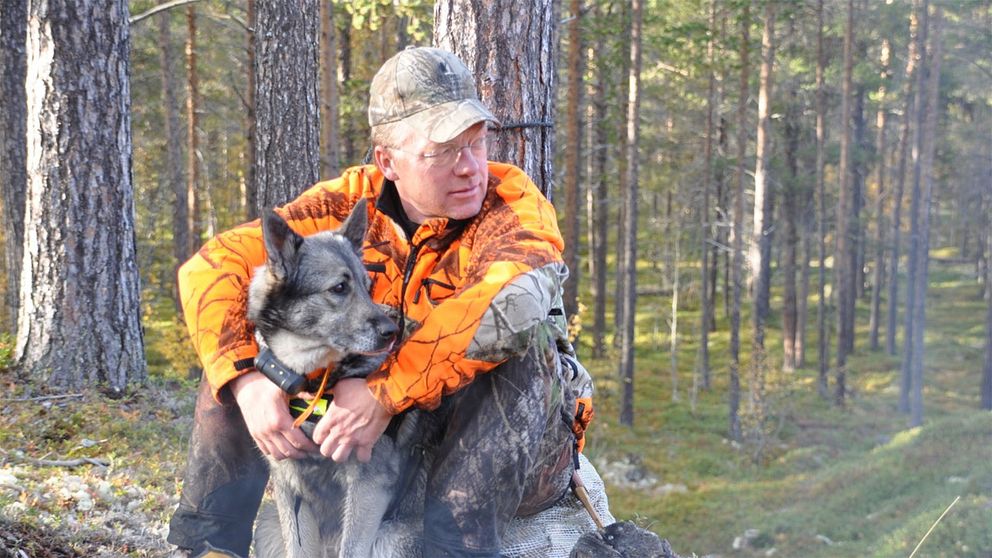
{"x": 311, "y": 308}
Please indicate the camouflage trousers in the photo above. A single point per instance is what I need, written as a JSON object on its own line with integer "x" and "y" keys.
{"x": 504, "y": 448}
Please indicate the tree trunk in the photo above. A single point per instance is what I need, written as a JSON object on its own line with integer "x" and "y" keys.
{"x": 737, "y": 267}
{"x": 923, "y": 260}
{"x": 821, "y": 205}
{"x": 859, "y": 171}
{"x": 630, "y": 198}
{"x": 511, "y": 52}
{"x": 181, "y": 245}
{"x": 790, "y": 212}
{"x": 906, "y": 385}
{"x": 621, "y": 155}
{"x": 330, "y": 119}
{"x": 80, "y": 317}
{"x": 845, "y": 232}
{"x": 597, "y": 194}
{"x": 673, "y": 320}
{"x": 349, "y": 151}
{"x": 251, "y": 191}
{"x": 705, "y": 224}
{"x": 13, "y": 115}
{"x": 880, "y": 194}
{"x": 193, "y": 168}
{"x": 909, "y": 86}
{"x": 573, "y": 159}
{"x": 986, "y": 387}
{"x": 287, "y": 110}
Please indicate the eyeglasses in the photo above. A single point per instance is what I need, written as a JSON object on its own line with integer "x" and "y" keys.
{"x": 447, "y": 154}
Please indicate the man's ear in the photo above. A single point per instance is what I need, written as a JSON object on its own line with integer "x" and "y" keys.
{"x": 355, "y": 226}
{"x": 385, "y": 161}
{"x": 282, "y": 245}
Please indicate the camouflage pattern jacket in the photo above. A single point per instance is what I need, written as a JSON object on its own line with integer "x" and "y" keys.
{"x": 471, "y": 293}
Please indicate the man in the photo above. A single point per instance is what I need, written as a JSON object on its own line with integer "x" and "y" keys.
{"x": 469, "y": 254}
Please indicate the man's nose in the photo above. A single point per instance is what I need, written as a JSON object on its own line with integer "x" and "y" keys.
{"x": 467, "y": 162}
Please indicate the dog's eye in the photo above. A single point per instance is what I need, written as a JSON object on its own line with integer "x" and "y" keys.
{"x": 340, "y": 288}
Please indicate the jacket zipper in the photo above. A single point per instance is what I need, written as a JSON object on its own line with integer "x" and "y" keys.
{"x": 411, "y": 261}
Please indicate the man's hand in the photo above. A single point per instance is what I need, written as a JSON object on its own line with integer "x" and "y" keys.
{"x": 266, "y": 412}
{"x": 354, "y": 421}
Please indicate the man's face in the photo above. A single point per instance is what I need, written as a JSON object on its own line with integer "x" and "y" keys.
{"x": 438, "y": 180}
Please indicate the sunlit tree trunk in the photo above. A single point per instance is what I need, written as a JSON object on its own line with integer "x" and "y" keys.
{"x": 916, "y": 146}
{"x": 790, "y": 213}
{"x": 880, "y": 194}
{"x": 13, "y": 114}
{"x": 909, "y": 103}
{"x": 597, "y": 194}
{"x": 193, "y": 167}
{"x": 737, "y": 267}
{"x": 287, "y": 109}
{"x": 80, "y": 318}
{"x": 573, "y": 158}
{"x": 512, "y": 54}
{"x": 821, "y": 211}
{"x": 845, "y": 245}
{"x": 628, "y": 291}
{"x": 928, "y": 138}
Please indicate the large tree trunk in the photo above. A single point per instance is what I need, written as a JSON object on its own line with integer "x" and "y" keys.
{"x": 821, "y": 211}
{"x": 597, "y": 194}
{"x": 181, "y": 245}
{"x": 628, "y": 291}
{"x": 737, "y": 267}
{"x": 573, "y": 158}
{"x": 80, "y": 317}
{"x": 880, "y": 194}
{"x": 13, "y": 68}
{"x": 251, "y": 191}
{"x": 905, "y": 387}
{"x": 330, "y": 119}
{"x": 909, "y": 86}
{"x": 845, "y": 245}
{"x": 287, "y": 111}
{"x": 511, "y": 52}
{"x": 923, "y": 260}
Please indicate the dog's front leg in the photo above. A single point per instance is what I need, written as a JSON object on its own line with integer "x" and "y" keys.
{"x": 369, "y": 491}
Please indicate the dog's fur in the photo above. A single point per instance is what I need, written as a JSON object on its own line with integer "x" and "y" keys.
{"x": 311, "y": 307}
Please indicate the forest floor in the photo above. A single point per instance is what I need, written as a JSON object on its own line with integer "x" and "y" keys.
{"x": 85, "y": 475}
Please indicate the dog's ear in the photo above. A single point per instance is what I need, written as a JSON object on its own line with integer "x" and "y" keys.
{"x": 355, "y": 226}
{"x": 282, "y": 244}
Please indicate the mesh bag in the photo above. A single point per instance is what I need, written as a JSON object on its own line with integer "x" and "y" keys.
{"x": 552, "y": 533}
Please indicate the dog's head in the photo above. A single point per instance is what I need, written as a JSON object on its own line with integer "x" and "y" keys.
{"x": 310, "y": 302}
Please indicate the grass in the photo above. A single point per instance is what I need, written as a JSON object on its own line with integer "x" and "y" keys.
{"x": 830, "y": 482}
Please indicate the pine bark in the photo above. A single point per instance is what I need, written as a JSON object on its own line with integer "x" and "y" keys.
{"x": 909, "y": 87}
{"x": 330, "y": 118}
{"x": 251, "y": 192}
{"x": 737, "y": 267}
{"x": 181, "y": 245}
{"x": 628, "y": 292}
{"x": 878, "y": 275}
{"x": 512, "y": 53}
{"x": 929, "y": 131}
{"x": 79, "y": 319}
{"x": 790, "y": 214}
{"x": 194, "y": 222}
{"x": 597, "y": 195}
{"x": 846, "y": 240}
{"x": 912, "y": 267}
{"x": 13, "y": 152}
{"x": 573, "y": 158}
{"x": 821, "y": 212}
{"x": 287, "y": 109}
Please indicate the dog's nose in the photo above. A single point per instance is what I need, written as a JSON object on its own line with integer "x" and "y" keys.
{"x": 386, "y": 328}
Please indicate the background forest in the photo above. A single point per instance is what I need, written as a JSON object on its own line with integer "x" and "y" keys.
{"x": 778, "y": 218}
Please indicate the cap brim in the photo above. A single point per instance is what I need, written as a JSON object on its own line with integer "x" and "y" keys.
{"x": 444, "y": 122}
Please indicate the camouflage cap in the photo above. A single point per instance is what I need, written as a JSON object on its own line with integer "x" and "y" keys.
{"x": 430, "y": 89}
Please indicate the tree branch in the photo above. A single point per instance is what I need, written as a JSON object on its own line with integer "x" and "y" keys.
{"x": 160, "y": 8}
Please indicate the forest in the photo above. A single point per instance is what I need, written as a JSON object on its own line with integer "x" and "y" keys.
{"x": 777, "y": 218}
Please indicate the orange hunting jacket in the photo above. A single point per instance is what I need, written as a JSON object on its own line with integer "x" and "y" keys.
{"x": 472, "y": 295}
